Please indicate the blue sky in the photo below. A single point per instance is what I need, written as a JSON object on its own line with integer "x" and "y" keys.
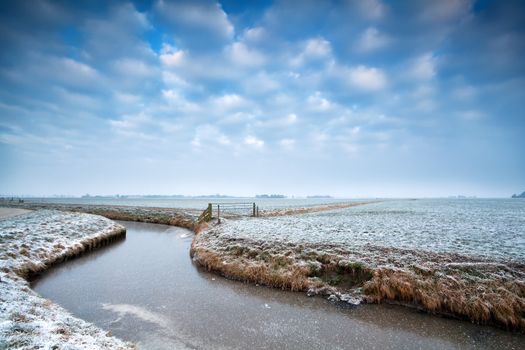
{"x": 348, "y": 98}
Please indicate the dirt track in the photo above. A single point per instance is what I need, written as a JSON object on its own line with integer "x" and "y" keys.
{"x": 9, "y": 212}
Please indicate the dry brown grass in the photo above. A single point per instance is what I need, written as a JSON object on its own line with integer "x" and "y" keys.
{"x": 489, "y": 301}
{"x": 285, "y": 271}
{"x": 294, "y": 278}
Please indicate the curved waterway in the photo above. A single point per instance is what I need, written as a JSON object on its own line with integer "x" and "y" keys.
{"x": 145, "y": 289}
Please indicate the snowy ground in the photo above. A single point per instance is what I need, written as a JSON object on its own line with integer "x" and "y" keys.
{"x": 485, "y": 228}
{"x": 28, "y": 243}
{"x": 465, "y": 258}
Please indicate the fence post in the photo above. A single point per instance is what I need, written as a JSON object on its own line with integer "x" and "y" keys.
{"x": 218, "y": 213}
{"x": 210, "y": 210}
{"x": 253, "y": 209}
{"x": 257, "y": 211}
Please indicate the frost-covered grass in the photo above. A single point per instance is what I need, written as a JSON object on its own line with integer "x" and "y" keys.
{"x": 167, "y": 216}
{"x": 30, "y": 243}
{"x": 488, "y": 228}
{"x": 462, "y": 259}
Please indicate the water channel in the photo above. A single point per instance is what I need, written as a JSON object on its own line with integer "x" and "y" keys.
{"x": 145, "y": 289}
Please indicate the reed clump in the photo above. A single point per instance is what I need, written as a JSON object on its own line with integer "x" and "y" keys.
{"x": 488, "y": 301}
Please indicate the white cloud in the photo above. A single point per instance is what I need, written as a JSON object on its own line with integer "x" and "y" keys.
{"x": 282, "y": 100}
{"x": 118, "y": 34}
{"x": 277, "y": 122}
{"x": 171, "y": 79}
{"x": 317, "y": 47}
{"x": 367, "y": 78}
{"x": 254, "y": 142}
{"x": 131, "y": 67}
{"x": 424, "y": 98}
{"x": 354, "y": 131}
{"x": 209, "y": 134}
{"x": 132, "y": 126}
{"x": 208, "y": 16}
{"x": 423, "y": 67}
{"x": 319, "y": 138}
{"x": 261, "y": 83}
{"x": 78, "y": 68}
{"x": 241, "y": 54}
{"x": 178, "y": 101}
{"x": 171, "y": 57}
{"x": 318, "y": 103}
{"x": 287, "y": 144}
{"x": 471, "y": 115}
{"x": 314, "y": 49}
{"x": 349, "y": 148}
{"x": 229, "y": 102}
{"x": 236, "y": 118}
{"x": 291, "y": 119}
{"x": 444, "y": 10}
{"x": 78, "y": 100}
{"x": 464, "y": 93}
{"x": 423, "y": 91}
{"x": 371, "y": 40}
{"x": 371, "y": 9}
{"x": 126, "y": 15}
{"x": 127, "y": 99}
{"x": 63, "y": 70}
{"x": 255, "y": 34}
{"x": 130, "y": 121}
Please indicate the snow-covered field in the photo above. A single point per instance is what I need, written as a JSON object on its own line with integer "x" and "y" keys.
{"x": 29, "y": 243}
{"x": 487, "y": 228}
{"x": 457, "y": 257}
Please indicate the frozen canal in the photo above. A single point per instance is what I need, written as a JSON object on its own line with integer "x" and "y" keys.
{"x": 146, "y": 290}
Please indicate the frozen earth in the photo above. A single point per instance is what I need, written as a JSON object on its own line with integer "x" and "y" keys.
{"x": 30, "y": 243}
{"x": 475, "y": 227}
{"x": 456, "y": 257}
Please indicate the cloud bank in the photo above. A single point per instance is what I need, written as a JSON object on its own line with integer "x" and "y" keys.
{"x": 356, "y": 98}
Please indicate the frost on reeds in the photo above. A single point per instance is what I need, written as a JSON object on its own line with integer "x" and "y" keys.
{"x": 30, "y": 244}
{"x": 480, "y": 289}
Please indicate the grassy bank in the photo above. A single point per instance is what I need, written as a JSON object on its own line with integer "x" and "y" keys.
{"x": 167, "y": 216}
{"x": 30, "y": 244}
{"x": 480, "y": 290}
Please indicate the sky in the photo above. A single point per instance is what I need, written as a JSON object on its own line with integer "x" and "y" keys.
{"x": 363, "y": 98}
